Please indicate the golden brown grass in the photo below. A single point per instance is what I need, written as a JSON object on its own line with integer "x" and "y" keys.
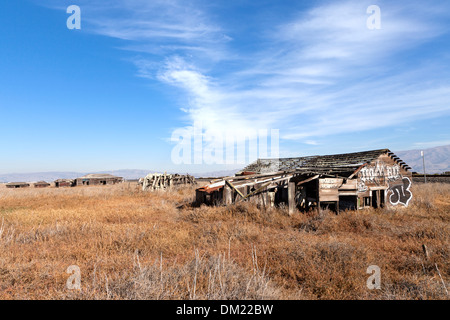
{"x": 135, "y": 245}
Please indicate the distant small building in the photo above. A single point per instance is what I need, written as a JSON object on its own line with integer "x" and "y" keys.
{"x": 64, "y": 183}
{"x": 41, "y": 184}
{"x": 96, "y": 179}
{"x": 16, "y": 185}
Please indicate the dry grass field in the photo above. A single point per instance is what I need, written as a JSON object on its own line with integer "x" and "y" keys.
{"x": 134, "y": 245}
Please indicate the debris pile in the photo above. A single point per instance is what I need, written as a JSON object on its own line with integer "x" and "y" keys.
{"x": 163, "y": 181}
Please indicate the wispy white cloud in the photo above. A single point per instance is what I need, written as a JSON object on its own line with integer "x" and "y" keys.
{"x": 324, "y": 72}
{"x": 431, "y": 144}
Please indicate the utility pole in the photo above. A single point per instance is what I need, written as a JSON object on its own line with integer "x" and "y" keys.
{"x": 424, "y": 172}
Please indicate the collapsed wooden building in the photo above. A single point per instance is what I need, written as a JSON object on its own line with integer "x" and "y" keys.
{"x": 17, "y": 185}
{"x": 375, "y": 178}
{"x": 41, "y": 184}
{"x": 163, "y": 181}
{"x": 62, "y": 183}
{"x": 95, "y": 179}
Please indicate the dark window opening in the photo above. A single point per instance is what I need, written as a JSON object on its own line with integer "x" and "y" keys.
{"x": 348, "y": 202}
{"x": 330, "y": 205}
{"x": 382, "y": 198}
{"x": 378, "y": 199}
{"x": 375, "y": 198}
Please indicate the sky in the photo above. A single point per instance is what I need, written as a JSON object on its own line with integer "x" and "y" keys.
{"x": 326, "y": 76}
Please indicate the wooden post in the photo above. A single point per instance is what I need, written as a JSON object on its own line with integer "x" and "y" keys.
{"x": 318, "y": 196}
{"x": 199, "y": 198}
{"x": 264, "y": 199}
{"x": 291, "y": 197}
{"x": 379, "y": 198}
{"x": 227, "y": 195}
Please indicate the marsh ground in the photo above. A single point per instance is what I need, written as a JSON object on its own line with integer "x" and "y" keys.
{"x": 134, "y": 245}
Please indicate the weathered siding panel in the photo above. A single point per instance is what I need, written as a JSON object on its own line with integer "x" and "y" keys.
{"x": 386, "y": 174}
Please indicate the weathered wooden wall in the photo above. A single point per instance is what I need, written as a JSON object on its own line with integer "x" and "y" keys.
{"x": 377, "y": 183}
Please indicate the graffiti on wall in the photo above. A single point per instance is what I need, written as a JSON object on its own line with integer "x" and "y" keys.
{"x": 379, "y": 171}
{"x": 400, "y": 193}
{"x": 362, "y": 187}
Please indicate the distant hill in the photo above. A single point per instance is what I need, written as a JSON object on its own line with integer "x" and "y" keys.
{"x": 128, "y": 174}
{"x": 38, "y": 176}
{"x": 52, "y": 176}
{"x": 437, "y": 159}
{"x": 215, "y": 174}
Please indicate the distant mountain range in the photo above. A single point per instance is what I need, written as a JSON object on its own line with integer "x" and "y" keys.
{"x": 128, "y": 174}
{"x": 52, "y": 176}
{"x": 437, "y": 160}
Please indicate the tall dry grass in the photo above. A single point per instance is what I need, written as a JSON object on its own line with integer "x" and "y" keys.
{"x": 135, "y": 245}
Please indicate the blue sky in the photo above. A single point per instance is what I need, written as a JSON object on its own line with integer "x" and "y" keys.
{"x": 110, "y": 95}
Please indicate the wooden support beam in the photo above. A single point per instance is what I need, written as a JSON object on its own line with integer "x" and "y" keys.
{"x": 252, "y": 182}
{"x": 356, "y": 172}
{"x": 227, "y": 195}
{"x": 291, "y": 197}
{"x": 255, "y": 191}
{"x": 318, "y": 196}
{"x": 232, "y": 186}
{"x": 308, "y": 180}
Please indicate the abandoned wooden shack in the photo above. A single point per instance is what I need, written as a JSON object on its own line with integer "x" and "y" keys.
{"x": 61, "y": 183}
{"x": 17, "y": 185}
{"x": 163, "y": 181}
{"x": 375, "y": 178}
{"x": 96, "y": 179}
{"x": 41, "y": 184}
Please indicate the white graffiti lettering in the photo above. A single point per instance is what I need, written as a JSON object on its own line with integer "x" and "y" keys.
{"x": 362, "y": 187}
{"x": 379, "y": 171}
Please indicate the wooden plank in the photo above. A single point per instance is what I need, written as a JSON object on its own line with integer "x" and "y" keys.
{"x": 348, "y": 193}
{"x": 364, "y": 194}
{"x": 257, "y": 190}
{"x": 356, "y": 172}
{"x": 330, "y": 183}
{"x": 259, "y": 175}
{"x": 378, "y": 188}
{"x": 227, "y": 195}
{"x": 328, "y": 191}
{"x": 318, "y": 197}
{"x": 291, "y": 197}
{"x": 349, "y": 185}
{"x": 232, "y": 186}
{"x": 308, "y": 180}
{"x": 325, "y": 198}
{"x": 264, "y": 179}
